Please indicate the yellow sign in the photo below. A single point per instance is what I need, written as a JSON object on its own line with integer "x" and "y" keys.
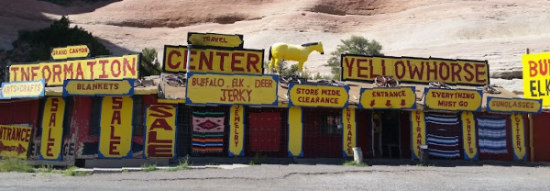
{"x": 27, "y": 89}
{"x": 350, "y": 131}
{"x": 518, "y": 136}
{"x": 14, "y": 141}
{"x": 295, "y": 132}
{"x": 207, "y": 60}
{"x": 236, "y": 135}
{"x": 212, "y": 39}
{"x": 388, "y": 98}
{"x": 232, "y": 89}
{"x": 536, "y": 76}
{"x": 52, "y": 128}
{"x": 469, "y": 136}
{"x": 318, "y": 95}
{"x": 115, "y": 138}
{"x": 468, "y": 72}
{"x": 453, "y": 100}
{"x": 418, "y": 135}
{"x": 98, "y": 87}
{"x": 54, "y": 73}
{"x": 160, "y": 140}
{"x": 77, "y": 51}
{"x": 514, "y": 105}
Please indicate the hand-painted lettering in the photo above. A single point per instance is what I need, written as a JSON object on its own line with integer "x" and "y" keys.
{"x": 415, "y": 69}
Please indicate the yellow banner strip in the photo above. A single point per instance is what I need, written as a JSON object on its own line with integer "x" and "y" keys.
{"x": 469, "y": 136}
{"x": 52, "y": 129}
{"x": 236, "y": 137}
{"x": 350, "y": 131}
{"x": 295, "y": 132}
{"x": 418, "y": 132}
{"x": 115, "y": 138}
{"x": 518, "y": 137}
{"x": 160, "y": 140}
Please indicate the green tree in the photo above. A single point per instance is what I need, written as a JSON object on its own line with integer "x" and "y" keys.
{"x": 33, "y": 46}
{"x": 285, "y": 70}
{"x": 318, "y": 76}
{"x": 353, "y": 45}
{"x": 149, "y": 63}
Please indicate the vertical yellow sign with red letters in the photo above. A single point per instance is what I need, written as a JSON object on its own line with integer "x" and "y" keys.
{"x": 350, "y": 131}
{"x": 518, "y": 136}
{"x": 418, "y": 135}
{"x": 160, "y": 141}
{"x": 469, "y": 136}
{"x": 236, "y": 136}
{"x": 115, "y": 139}
{"x": 52, "y": 128}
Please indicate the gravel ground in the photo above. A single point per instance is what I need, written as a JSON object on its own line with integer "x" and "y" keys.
{"x": 296, "y": 177}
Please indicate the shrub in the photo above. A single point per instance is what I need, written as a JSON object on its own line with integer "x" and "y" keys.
{"x": 15, "y": 165}
{"x": 353, "y": 45}
{"x": 75, "y": 171}
{"x": 149, "y": 167}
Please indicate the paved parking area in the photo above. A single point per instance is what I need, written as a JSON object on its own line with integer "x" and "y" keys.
{"x": 296, "y": 177}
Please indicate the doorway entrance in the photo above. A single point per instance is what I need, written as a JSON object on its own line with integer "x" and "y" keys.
{"x": 386, "y": 134}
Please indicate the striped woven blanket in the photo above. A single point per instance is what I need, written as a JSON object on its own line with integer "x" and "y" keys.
{"x": 443, "y": 132}
{"x": 208, "y": 131}
{"x": 492, "y": 135}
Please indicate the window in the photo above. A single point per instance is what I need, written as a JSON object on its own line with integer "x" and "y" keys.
{"x": 38, "y": 131}
{"x": 68, "y": 116}
{"x": 331, "y": 125}
{"x": 95, "y": 116}
{"x": 139, "y": 113}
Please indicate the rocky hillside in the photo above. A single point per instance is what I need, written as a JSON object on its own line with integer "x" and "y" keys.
{"x": 496, "y": 30}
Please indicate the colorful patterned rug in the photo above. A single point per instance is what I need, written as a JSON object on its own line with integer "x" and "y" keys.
{"x": 208, "y": 132}
{"x": 443, "y": 135}
{"x": 492, "y": 135}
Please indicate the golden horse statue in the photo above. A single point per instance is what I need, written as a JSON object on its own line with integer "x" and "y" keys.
{"x": 299, "y": 53}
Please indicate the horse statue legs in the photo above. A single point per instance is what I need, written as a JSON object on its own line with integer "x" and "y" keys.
{"x": 274, "y": 63}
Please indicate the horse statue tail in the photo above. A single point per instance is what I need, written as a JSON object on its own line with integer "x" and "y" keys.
{"x": 269, "y": 57}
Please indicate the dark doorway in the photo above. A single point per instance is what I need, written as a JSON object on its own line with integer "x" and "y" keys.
{"x": 386, "y": 134}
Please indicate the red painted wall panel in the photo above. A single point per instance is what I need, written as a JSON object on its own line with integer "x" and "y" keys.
{"x": 265, "y": 131}
{"x": 80, "y": 122}
{"x": 541, "y": 137}
{"x": 19, "y": 112}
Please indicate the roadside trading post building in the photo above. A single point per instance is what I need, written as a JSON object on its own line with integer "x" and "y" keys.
{"x": 94, "y": 108}
{"x": 227, "y": 107}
